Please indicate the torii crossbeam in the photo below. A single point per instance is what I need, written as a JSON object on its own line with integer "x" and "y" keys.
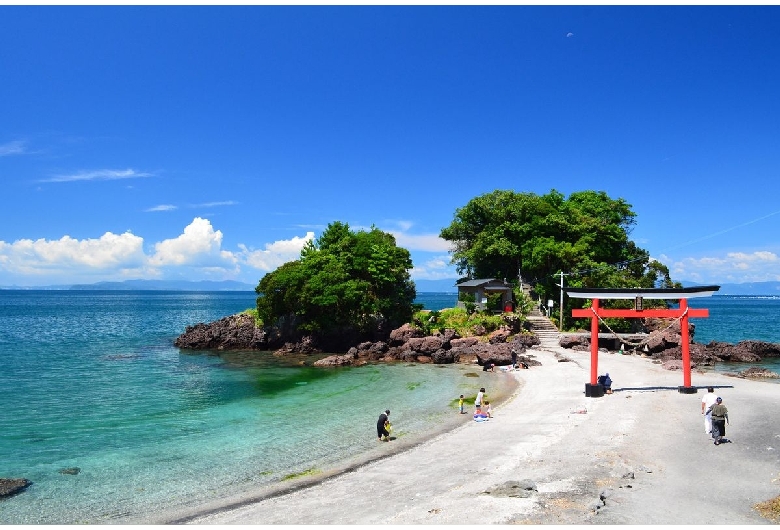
{"x": 595, "y": 312}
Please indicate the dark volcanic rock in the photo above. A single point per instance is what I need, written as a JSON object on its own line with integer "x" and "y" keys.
{"x": 306, "y": 345}
{"x": 758, "y": 373}
{"x": 425, "y": 345}
{"x": 570, "y": 341}
{"x": 12, "y": 486}
{"x": 526, "y": 339}
{"x": 348, "y": 359}
{"x": 743, "y": 352}
{"x": 403, "y": 334}
{"x": 234, "y": 332}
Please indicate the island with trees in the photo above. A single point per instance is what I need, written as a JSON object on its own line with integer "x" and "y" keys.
{"x": 350, "y": 293}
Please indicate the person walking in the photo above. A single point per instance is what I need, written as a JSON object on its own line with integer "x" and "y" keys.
{"x": 720, "y": 416}
{"x": 460, "y": 404}
{"x": 381, "y": 426}
{"x": 707, "y": 401}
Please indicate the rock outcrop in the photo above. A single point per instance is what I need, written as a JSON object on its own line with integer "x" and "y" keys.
{"x": 12, "y": 486}
{"x": 235, "y": 332}
{"x": 408, "y": 343}
{"x": 758, "y": 373}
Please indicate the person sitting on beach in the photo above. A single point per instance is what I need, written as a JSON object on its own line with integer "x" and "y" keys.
{"x": 606, "y": 382}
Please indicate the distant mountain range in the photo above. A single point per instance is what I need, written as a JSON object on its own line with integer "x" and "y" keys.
{"x": 146, "y": 285}
{"x": 753, "y": 288}
{"x": 166, "y": 285}
{"x": 423, "y": 286}
{"x": 436, "y": 286}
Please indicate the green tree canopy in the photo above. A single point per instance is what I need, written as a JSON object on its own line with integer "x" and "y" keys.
{"x": 344, "y": 280}
{"x": 505, "y": 234}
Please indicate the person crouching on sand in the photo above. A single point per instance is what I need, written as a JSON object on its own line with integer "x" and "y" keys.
{"x": 382, "y": 425}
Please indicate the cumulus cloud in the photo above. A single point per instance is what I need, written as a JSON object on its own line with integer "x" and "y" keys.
{"x": 424, "y": 242}
{"x": 199, "y": 244}
{"x": 435, "y": 268}
{"x": 110, "y": 252}
{"x": 194, "y": 254}
{"x": 12, "y": 148}
{"x": 733, "y": 267}
{"x": 101, "y": 174}
{"x": 276, "y": 253}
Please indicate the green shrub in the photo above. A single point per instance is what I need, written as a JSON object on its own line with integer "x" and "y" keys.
{"x": 255, "y": 315}
{"x": 455, "y": 318}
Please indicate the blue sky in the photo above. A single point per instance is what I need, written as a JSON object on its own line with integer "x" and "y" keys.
{"x": 211, "y": 143}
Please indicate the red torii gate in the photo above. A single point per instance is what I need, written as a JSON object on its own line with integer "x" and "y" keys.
{"x": 595, "y": 312}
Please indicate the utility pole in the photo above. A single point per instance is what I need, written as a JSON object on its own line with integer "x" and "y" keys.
{"x": 560, "y": 308}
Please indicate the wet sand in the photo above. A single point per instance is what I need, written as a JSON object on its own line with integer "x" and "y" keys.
{"x": 638, "y": 456}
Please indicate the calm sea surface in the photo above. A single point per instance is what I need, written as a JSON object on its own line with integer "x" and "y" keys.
{"x": 91, "y": 380}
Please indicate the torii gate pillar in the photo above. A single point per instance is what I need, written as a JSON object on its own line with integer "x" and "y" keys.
{"x": 595, "y": 313}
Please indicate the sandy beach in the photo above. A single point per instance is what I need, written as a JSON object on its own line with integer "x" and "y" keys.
{"x": 552, "y": 456}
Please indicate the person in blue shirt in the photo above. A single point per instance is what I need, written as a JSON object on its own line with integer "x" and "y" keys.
{"x": 606, "y": 382}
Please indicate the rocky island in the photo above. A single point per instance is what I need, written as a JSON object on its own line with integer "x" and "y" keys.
{"x": 408, "y": 343}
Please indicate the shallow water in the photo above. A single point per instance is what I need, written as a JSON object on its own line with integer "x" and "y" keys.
{"x": 93, "y": 382}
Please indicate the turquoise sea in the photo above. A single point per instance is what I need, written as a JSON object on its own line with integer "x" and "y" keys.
{"x": 91, "y": 380}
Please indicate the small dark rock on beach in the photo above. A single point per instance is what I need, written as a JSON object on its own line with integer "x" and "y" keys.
{"x": 12, "y": 486}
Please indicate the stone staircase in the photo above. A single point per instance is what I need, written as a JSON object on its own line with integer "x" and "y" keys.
{"x": 541, "y": 326}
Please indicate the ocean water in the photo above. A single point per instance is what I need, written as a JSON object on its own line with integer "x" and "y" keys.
{"x": 736, "y": 318}
{"x": 91, "y": 380}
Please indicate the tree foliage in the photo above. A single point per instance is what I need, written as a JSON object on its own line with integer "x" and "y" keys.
{"x": 505, "y": 234}
{"x": 343, "y": 280}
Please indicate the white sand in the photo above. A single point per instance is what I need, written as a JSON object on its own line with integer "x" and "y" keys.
{"x": 642, "y": 450}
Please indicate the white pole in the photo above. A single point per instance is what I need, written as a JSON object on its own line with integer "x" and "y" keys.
{"x": 560, "y": 308}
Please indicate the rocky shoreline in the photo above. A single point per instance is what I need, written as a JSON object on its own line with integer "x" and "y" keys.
{"x": 661, "y": 342}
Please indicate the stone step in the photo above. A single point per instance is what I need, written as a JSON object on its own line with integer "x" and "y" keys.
{"x": 545, "y": 330}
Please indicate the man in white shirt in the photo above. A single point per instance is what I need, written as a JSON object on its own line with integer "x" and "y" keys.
{"x": 706, "y": 402}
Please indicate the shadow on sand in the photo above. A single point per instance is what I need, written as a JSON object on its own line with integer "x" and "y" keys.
{"x": 660, "y": 388}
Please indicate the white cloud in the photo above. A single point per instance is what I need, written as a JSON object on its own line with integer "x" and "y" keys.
{"x": 436, "y": 268}
{"x": 162, "y": 208}
{"x": 276, "y": 253}
{"x": 199, "y": 244}
{"x": 212, "y": 204}
{"x": 733, "y": 267}
{"x": 424, "y": 242}
{"x": 195, "y": 254}
{"x": 170, "y": 207}
{"x": 12, "y": 148}
{"x": 110, "y": 252}
{"x": 102, "y": 174}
